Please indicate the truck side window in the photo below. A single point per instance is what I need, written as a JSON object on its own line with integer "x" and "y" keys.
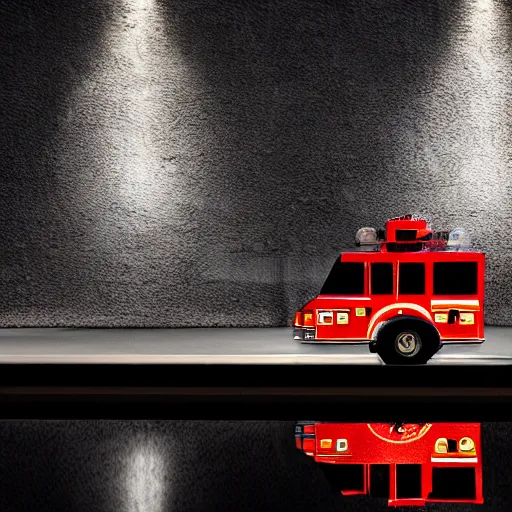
{"x": 382, "y": 278}
{"x": 344, "y": 279}
{"x": 456, "y": 278}
{"x": 411, "y": 279}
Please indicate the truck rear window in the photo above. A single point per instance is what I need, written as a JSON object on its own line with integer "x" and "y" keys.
{"x": 344, "y": 279}
{"x": 456, "y": 278}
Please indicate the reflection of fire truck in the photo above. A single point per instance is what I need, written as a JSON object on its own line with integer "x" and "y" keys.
{"x": 405, "y": 291}
{"x": 408, "y": 464}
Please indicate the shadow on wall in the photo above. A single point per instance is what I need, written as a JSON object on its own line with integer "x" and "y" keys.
{"x": 198, "y": 163}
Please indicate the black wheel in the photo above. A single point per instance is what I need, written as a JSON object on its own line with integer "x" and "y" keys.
{"x": 407, "y": 341}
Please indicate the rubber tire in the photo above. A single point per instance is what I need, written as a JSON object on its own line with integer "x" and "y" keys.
{"x": 427, "y": 333}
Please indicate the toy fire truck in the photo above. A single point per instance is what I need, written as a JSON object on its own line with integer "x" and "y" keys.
{"x": 407, "y": 464}
{"x": 406, "y": 290}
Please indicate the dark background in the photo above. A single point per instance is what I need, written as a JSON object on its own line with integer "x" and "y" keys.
{"x": 202, "y": 162}
{"x": 151, "y": 466}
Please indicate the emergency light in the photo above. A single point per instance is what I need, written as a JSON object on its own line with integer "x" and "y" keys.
{"x": 459, "y": 239}
{"x": 366, "y": 236}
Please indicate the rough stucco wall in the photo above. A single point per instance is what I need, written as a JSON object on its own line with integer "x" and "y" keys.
{"x": 135, "y": 466}
{"x": 202, "y": 162}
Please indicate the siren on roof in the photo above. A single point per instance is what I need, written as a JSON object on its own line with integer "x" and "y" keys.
{"x": 458, "y": 239}
{"x": 366, "y": 236}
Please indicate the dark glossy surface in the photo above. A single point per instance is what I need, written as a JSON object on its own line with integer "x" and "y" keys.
{"x": 191, "y": 466}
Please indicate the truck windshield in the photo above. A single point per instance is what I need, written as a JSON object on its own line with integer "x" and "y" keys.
{"x": 344, "y": 279}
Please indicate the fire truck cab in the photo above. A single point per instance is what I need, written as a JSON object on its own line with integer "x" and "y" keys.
{"x": 409, "y": 464}
{"x": 406, "y": 291}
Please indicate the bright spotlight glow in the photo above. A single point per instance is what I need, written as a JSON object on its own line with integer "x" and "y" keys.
{"x": 469, "y": 141}
{"x": 145, "y": 478}
{"x": 486, "y": 151}
{"x": 133, "y": 45}
{"x": 126, "y": 156}
{"x": 483, "y": 4}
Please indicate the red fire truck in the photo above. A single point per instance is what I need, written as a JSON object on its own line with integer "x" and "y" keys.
{"x": 405, "y": 291}
{"x": 408, "y": 464}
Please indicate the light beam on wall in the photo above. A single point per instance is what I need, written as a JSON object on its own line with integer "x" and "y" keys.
{"x": 472, "y": 79}
{"x": 488, "y": 151}
{"x": 145, "y": 478}
{"x": 121, "y": 108}
{"x": 132, "y": 46}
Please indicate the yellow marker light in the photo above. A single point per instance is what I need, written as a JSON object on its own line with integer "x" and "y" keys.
{"x": 325, "y": 317}
{"x": 441, "y": 445}
{"x": 342, "y": 318}
{"x": 466, "y": 444}
{"x": 308, "y": 318}
{"x": 441, "y": 318}
{"x": 341, "y": 445}
{"x": 360, "y": 311}
{"x": 467, "y": 318}
{"x": 326, "y": 443}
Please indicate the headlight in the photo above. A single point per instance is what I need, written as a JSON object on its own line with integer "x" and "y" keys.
{"x": 466, "y": 444}
{"x": 307, "y": 319}
{"x": 341, "y": 445}
{"x": 325, "y": 443}
{"x": 441, "y": 445}
{"x": 325, "y": 317}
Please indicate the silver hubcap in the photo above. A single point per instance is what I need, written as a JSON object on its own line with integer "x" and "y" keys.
{"x": 408, "y": 344}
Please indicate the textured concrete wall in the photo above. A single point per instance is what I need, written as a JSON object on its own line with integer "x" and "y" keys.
{"x": 201, "y": 162}
{"x": 135, "y": 466}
